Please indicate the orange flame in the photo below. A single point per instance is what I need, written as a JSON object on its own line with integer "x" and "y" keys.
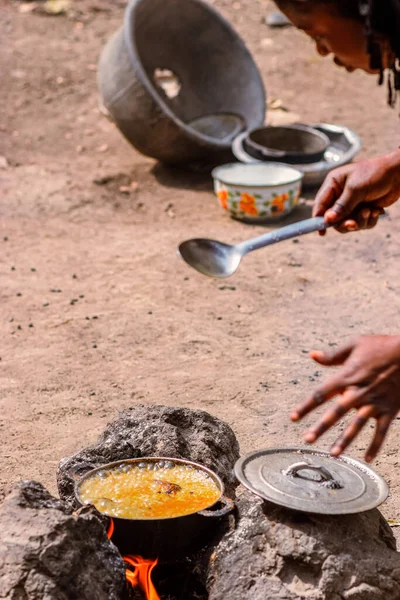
{"x": 110, "y": 529}
{"x": 142, "y": 568}
{"x": 141, "y": 575}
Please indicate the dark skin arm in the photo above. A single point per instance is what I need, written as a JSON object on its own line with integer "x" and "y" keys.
{"x": 354, "y": 196}
{"x": 368, "y": 383}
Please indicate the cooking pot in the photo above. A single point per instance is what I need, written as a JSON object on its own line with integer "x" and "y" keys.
{"x": 292, "y": 144}
{"x": 169, "y": 538}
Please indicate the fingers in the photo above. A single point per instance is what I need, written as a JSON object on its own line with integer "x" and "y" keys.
{"x": 352, "y": 431}
{"x": 347, "y": 226}
{"x": 366, "y": 218}
{"x": 332, "y": 416}
{"x": 329, "y": 389}
{"x": 350, "y": 198}
{"x": 330, "y": 190}
{"x": 382, "y": 426}
{"x": 333, "y": 359}
{"x": 373, "y": 219}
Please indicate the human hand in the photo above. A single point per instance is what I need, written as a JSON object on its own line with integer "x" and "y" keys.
{"x": 368, "y": 382}
{"x": 355, "y": 195}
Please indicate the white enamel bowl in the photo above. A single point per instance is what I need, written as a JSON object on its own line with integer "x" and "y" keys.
{"x": 257, "y": 192}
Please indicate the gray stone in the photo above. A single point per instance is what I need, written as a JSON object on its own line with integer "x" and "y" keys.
{"x": 48, "y": 553}
{"x": 156, "y": 431}
{"x": 275, "y": 553}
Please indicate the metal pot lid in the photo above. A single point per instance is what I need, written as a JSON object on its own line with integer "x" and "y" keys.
{"x": 312, "y": 480}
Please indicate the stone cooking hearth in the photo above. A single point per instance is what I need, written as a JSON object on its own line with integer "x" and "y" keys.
{"x": 55, "y": 549}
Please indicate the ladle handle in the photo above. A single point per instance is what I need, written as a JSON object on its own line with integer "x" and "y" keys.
{"x": 284, "y": 233}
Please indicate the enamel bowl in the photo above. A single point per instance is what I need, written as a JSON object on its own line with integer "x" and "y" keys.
{"x": 258, "y": 192}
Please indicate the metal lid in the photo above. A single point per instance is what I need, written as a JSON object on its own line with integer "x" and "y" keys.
{"x": 312, "y": 480}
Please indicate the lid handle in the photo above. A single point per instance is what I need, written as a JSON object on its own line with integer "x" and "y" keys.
{"x": 326, "y": 480}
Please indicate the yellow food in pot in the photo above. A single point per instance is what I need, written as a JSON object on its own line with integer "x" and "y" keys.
{"x": 150, "y": 490}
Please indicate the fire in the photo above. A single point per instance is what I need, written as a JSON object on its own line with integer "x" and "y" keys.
{"x": 142, "y": 568}
{"x": 110, "y": 529}
{"x": 141, "y": 575}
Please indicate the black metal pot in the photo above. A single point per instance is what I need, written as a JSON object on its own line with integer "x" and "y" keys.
{"x": 170, "y": 538}
{"x": 293, "y": 144}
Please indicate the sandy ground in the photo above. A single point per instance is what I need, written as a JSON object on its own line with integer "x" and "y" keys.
{"x": 145, "y": 328}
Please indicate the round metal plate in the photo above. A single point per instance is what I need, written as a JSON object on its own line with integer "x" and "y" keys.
{"x": 344, "y": 145}
{"x": 312, "y": 480}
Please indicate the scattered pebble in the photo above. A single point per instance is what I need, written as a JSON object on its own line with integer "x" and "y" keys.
{"x": 33, "y": 269}
{"x": 102, "y": 148}
{"x": 3, "y": 162}
{"x": 30, "y": 325}
{"x": 19, "y": 327}
{"x": 90, "y": 414}
{"x": 150, "y": 312}
{"x": 125, "y": 189}
{"x": 103, "y": 180}
{"x": 277, "y": 19}
{"x": 73, "y": 301}
{"x": 12, "y": 268}
{"x": 46, "y": 304}
{"x": 11, "y": 319}
{"x": 5, "y": 238}
{"x": 74, "y": 276}
{"x": 27, "y": 7}
{"x": 18, "y": 294}
{"x": 81, "y": 296}
{"x": 94, "y": 345}
{"x": 92, "y": 394}
{"x": 55, "y": 7}
{"x": 95, "y": 317}
{"x": 80, "y": 148}
{"x": 56, "y": 290}
{"x": 266, "y": 42}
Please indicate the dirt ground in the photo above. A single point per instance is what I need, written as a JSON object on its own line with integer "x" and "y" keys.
{"x": 144, "y": 327}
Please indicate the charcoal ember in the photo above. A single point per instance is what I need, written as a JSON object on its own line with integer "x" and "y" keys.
{"x": 286, "y": 555}
{"x": 156, "y": 431}
{"x": 48, "y": 553}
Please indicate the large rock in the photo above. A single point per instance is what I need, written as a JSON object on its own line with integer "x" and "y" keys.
{"x": 47, "y": 553}
{"x": 278, "y": 554}
{"x": 156, "y": 431}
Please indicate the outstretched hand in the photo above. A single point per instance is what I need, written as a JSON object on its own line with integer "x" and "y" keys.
{"x": 355, "y": 195}
{"x": 368, "y": 382}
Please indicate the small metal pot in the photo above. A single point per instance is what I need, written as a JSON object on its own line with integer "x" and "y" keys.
{"x": 170, "y": 538}
{"x": 292, "y": 144}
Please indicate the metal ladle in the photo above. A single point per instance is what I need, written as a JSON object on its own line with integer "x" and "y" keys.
{"x": 220, "y": 260}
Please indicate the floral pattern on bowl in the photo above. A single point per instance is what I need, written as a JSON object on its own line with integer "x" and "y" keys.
{"x": 259, "y": 202}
